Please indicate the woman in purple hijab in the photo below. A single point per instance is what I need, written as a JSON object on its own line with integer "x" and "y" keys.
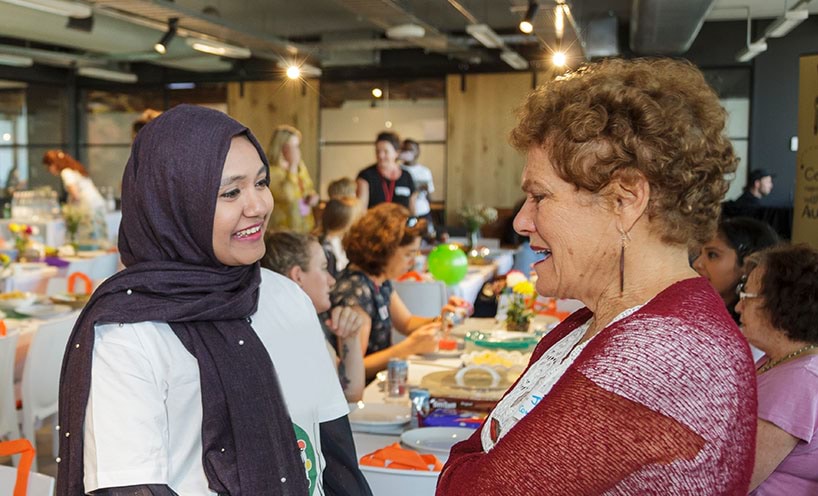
{"x": 175, "y": 379}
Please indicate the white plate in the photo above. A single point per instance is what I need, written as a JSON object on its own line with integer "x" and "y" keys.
{"x": 43, "y": 311}
{"x": 435, "y": 439}
{"x": 379, "y": 414}
{"x": 441, "y": 354}
{"x": 25, "y": 299}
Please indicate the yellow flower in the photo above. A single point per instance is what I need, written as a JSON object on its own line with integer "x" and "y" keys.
{"x": 13, "y": 227}
{"x": 524, "y": 288}
{"x": 4, "y": 260}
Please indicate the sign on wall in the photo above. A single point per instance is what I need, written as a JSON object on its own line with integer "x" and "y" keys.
{"x": 805, "y": 212}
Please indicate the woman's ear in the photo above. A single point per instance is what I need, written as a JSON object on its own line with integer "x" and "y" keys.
{"x": 631, "y": 194}
{"x": 296, "y": 274}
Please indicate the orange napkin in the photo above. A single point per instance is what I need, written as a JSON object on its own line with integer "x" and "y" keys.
{"x": 2, "y": 328}
{"x": 393, "y": 456}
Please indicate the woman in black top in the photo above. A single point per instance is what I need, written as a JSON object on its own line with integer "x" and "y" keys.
{"x": 386, "y": 181}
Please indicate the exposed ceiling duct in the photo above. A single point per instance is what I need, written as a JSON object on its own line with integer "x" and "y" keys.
{"x": 666, "y": 27}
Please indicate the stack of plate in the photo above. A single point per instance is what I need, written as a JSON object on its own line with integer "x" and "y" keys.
{"x": 379, "y": 418}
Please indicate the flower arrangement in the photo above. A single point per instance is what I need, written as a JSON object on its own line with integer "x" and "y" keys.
{"x": 475, "y": 216}
{"x": 520, "y": 302}
{"x": 73, "y": 217}
{"x": 22, "y": 237}
{"x": 5, "y": 260}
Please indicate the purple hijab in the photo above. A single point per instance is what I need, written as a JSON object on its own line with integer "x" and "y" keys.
{"x": 169, "y": 192}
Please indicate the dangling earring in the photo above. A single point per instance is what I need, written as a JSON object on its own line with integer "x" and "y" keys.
{"x": 625, "y": 239}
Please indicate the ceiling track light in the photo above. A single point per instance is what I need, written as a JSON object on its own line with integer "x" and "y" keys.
{"x": 485, "y": 35}
{"x": 786, "y": 23}
{"x": 219, "y": 48}
{"x": 107, "y": 74}
{"x": 514, "y": 59}
{"x": 753, "y": 48}
{"x": 295, "y": 70}
{"x": 559, "y": 20}
{"x": 162, "y": 45}
{"x": 15, "y": 60}
{"x": 58, "y": 7}
{"x": 527, "y": 24}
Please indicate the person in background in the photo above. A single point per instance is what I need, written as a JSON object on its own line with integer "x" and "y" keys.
{"x": 183, "y": 374}
{"x": 651, "y": 388}
{"x": 337, "y": 218}
{"x": 779, "y": 308}
{"x": 301, "y": 258}
{"x": 290, "y": 182}
{"x": 147, "y": 116}
{"x": 759, "y": 185}
{"x": 344, "y": 187}
{"x": 721, "y": 260}
{"x": 381, "y": 246}
{"x": 424, "y": 182}
{"x": 385, "y": 181}
{"x": 82, "y": 195}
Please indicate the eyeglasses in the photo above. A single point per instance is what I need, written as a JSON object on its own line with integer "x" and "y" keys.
{"x": 747, "y": 296}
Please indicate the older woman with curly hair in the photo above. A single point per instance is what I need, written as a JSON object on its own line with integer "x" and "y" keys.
{"x": 381, "y": 245}
{"x": 779, "y": 308}
{"x": 650, "y": 389}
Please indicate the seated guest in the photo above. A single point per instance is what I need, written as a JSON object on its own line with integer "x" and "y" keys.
{"x": 344, "y": 187}
{"x": 779, "y": 309}
{"x": 721, "y": 260}
{"x": 300, "y": 257}
{"x": 381, "y": 246}
{"x": 650, "y": 389}
{"x": 337, "y": 218}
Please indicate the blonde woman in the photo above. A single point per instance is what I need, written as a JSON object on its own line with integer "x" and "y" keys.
{"x": 293, "y": 190}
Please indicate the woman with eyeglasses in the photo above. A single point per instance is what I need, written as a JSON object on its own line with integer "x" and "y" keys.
{"x": 721, "y": 260}
{"x": 381, "y": 246}
{"x": 779, "y": 308}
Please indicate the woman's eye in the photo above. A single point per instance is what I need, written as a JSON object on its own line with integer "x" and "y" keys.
{"x": 712, "y": 255}
{"x": 233, "y": 193}
{"x": 263, "y": 183}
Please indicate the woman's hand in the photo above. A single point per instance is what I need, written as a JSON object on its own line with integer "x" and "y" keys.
{"x": 455, "y": 303}
{"x": 312, "y": 199}
{"x": 424, "y": 339}
{"x": 345, "y": 321}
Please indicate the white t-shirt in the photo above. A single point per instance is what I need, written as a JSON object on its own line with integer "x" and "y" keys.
{"x": 89, "y": 196}
{"x": 144, "y": 415}
{"x": 422, "y": 176}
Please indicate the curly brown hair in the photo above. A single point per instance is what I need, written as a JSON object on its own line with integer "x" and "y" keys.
{"x": 656, "y": 118}
{"x": 62, "y": 160}
{"x": 789, "y": 289}
{"x": 373, "y": 239}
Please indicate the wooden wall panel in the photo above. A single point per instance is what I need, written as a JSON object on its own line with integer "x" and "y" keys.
{"x": 481, "y": 166}
{"x": 263, "y": 105}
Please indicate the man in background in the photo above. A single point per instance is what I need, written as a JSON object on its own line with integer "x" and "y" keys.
{"x": 759, "y": 185}
{"x": 422, "y": 176}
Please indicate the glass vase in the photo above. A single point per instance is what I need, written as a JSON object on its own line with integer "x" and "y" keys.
{"x": 472, "y": 239}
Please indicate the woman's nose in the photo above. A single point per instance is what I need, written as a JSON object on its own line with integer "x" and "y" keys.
{"x": 259, "y": 203}
{"x": 524, "y": 220}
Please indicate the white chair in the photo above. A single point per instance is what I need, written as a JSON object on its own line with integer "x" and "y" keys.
{"x": 104, "y": 266}
{"x": 9, "y": 423}
{"x": 41, "y": 374}
{"x": 38, "y": 484}
{"x": 425, "y": 299}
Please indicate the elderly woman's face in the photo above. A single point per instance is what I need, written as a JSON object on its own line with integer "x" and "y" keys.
{"x": 755, "y": 323}
{"x": 243, "y": 206}
{"x": 572, "y": 229}
{"x": 718, "y": 263}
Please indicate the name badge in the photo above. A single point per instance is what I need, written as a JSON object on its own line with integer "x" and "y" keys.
{"x": 527, "y": 405}
{"x": 402, "y": 191}
{"x": 383, "y": 311}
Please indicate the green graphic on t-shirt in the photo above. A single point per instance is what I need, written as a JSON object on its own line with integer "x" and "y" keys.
{"x": 307, "y": 456}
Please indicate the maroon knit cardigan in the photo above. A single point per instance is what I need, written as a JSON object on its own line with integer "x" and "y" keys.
{"x": 660, "y": 402}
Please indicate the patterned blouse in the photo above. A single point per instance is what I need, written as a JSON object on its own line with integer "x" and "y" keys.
{"x": 353, "y": 287}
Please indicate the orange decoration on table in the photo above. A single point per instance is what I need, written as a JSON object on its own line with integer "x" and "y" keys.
{"x": 3, "y": 329}
{"x": 411, "y": 276}
{"x": 445, "y": 344}
{"x": 393, "y": 456}
{"x": 24, "y": 448}
{"x": 72, "y": 280}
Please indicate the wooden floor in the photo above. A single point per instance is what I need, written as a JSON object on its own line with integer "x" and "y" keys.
{"x": 45, "y": 459}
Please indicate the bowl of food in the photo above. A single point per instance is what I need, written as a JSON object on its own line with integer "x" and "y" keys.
{"x": 14, "y": 299}
{"x": 73, "y": 300}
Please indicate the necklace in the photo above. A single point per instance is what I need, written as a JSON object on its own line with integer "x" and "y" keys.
{"x": 767, "y": 366}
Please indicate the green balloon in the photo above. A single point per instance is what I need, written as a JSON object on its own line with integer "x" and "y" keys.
{"x": 448, "y": 263}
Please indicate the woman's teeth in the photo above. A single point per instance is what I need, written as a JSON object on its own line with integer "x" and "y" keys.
{"x": 248, "y": 232}
{"x": 545, "y": 254}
